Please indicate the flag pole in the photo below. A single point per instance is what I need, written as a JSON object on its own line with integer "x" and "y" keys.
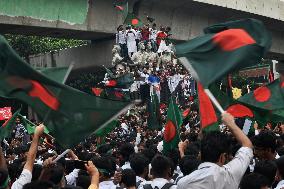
{"x": 61, "y": 155}
{"x": 214, "y": 100}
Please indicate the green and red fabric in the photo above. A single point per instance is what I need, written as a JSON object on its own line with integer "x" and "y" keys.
{"x": 69, "y": 114}
{"x": 122, "y": 7}
{"x": 208, "y": 116}
{"x": 172, "y": 127}
{"x": 7, "y": 127}
{"x": 124, "y": 81}
{"x": 224, "y": 48}
{"x": 269, "y": 97}
{"x": 115, "y": 94}
{"x": 153, "y": 110}
{"x": 132, "y": 19}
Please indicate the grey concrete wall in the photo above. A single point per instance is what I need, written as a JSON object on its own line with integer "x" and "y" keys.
{"x": 88, "y": 56}
{"x": 268, "y": 8}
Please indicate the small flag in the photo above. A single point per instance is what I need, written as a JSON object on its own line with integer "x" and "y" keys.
{"x": 97, "y": 91}
{"x": 171, "y": 133}
{"x": 5, "y": 113}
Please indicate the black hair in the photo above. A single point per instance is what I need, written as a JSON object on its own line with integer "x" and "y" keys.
{"x": 138, "y": 162}
{"x": 104, "y": 148}
{"x": 265, "y": 139}
{"x": 254, "y": 181}
{"x": 280, "y": 166}
{"x": 188, "y": 164}
{"x": 128, "y": 178}
{"x": 105, "y": 163}
{"x": 267, "y": 169}
{"x": 193, "y": 149}
{"x": 174, "y": 156}
{"x": 213, "y": 145}
{"x": 38, "y": 184}
{"x": 83, "y": 181}
{"x": 36, "y": 172}
{"x": 126, "y": 150}
{"x": 160, "y": 166}
{"x": 53, "y": 174}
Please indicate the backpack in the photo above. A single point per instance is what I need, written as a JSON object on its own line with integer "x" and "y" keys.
{"x": 166, "y": 186}
{"x": 138, "y": 183}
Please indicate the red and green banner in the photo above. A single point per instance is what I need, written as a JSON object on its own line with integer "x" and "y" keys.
{"x": 69, "y": 114}
{"x": 224, "y": 48}
{"x": 172, "y": 127}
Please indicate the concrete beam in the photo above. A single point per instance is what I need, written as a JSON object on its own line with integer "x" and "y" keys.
{"x": 84, "y": 57}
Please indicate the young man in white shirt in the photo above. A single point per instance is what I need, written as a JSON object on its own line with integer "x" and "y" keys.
{"x": 215, "y": 172}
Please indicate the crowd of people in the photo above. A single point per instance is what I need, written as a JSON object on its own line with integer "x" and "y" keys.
{"x": 131, "y": 155}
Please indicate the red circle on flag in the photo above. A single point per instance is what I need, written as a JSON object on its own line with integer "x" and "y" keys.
{"x": 238, "y": 110}
{"x": 170, "y": 131}
{"x": 262, "y": 94}
{"x": 134, "y": 21}
{"x": 282, "y": 85}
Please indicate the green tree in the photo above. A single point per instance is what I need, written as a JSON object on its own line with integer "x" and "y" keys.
{"x": 30, "y": 45}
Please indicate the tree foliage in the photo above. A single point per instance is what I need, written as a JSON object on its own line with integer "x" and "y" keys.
{"x": 30, "y": 45}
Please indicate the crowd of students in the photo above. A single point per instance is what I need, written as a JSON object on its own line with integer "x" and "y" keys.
{"x": 131, "y": 155}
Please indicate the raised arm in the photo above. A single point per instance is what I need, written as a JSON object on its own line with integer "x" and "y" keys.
{"x": 228, "y": 120}
{"x": 33, "y": 148}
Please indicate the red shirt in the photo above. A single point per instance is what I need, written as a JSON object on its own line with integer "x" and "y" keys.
{"x": 160, "y": 35}
{"x": 145, "y": 34}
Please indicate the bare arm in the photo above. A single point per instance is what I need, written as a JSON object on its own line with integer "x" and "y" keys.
{"x": 228, "y": 120}
{"x": 33, "y": 148}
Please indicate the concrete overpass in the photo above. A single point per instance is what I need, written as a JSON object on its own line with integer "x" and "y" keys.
{"x": 97, "y": 20}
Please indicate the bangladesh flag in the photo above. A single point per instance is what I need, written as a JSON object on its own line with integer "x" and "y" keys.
{"x": 132, "y": 19}
{"x": 7, "y": 127}
{"x": 69, "y": 114}
{"x": 269, "y": 97}
{"x": 245, "y": 107}
{"x": 208, "y": 116}
{"x": 224, "y": 48}
{"x": 153, "y": 110}
{"x": 171, "y": 133}
{"x": 122, "y": 7}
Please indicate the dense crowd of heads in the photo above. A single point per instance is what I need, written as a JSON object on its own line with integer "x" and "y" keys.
{"x": 132, "y": 155}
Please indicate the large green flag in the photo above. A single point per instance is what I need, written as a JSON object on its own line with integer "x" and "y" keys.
{"x": 7, "y": 127}
{"x": 69, "y": 114}
{"x": 224, "y": 48}
{"x": 153, "y": 110}
{"x": 172, "y": 127}
{"x": 57, "y": 74}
